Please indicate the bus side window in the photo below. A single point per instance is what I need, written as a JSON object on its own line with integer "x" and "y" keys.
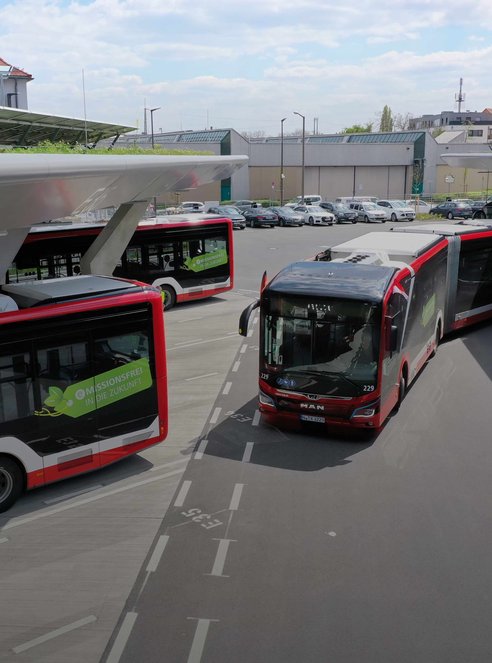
{"x": 16, "y": 395}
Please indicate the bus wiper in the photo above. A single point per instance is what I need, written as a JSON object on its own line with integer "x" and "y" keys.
{"x": 322, "y": 373}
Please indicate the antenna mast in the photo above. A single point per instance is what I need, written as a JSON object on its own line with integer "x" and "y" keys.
{"x": 460, "y": 97}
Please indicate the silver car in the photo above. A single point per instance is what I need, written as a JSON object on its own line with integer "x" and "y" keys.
{"x": 369, "y": 212}
{"x": 397, "y": 210}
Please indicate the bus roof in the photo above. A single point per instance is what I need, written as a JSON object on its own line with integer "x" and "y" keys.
{"x": 328, "y": 279}
{"x": 176, "y": 221}
{"x": 397, "y": 246}
{"x": 51, "y": 291}
{"x": 446, "y": 229}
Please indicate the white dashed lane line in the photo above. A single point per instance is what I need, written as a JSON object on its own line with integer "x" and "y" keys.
{"x": 247, "y": 452}
{"x": 236, "y": 497}
{"x": 215, "y": 416}
{"x": 122, "y": 637}
{"x": 198, "y": 644}
{"x": 157, "y": 554}
{"x": 235, "y": 368}
{"x": 220, "y": 558}
{"x": 54, "y": 634}
{"x": 199, "y": 377}
{"x": 256, "y": 418}
{"x": 183, "y": 492}
{"x": 201, "y": 450}
{"x": 227, "y": 388}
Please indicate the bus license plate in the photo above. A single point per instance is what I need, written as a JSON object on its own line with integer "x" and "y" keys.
{"x": 312, "y": 417}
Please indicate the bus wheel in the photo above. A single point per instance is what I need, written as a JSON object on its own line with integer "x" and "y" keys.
{"x": 11, "y": 482}
{"x": 402, "y": 389}
{"x": 169, "y": 297}
{"x": 438, "y": 338}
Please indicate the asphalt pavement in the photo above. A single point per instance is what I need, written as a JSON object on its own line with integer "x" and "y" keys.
{"x": 236, "y": 541}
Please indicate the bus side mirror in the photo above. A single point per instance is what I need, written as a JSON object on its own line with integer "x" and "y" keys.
{"x": 245, "y": 316}
{"x": 391, "y": 341}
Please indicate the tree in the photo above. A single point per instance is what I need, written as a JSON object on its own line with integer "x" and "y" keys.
{"x": 358, "y": 129}
{"x": 401, "y": 122}
{"x": 386, "y": 121}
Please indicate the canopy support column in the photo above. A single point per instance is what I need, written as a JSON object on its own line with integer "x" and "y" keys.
{"x": 105, "y": 252}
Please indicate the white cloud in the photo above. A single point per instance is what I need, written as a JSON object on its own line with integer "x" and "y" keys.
{"x": 246, "y": 63}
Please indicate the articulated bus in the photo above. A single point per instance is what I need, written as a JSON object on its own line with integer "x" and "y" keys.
{"x": 344, "y": 334}
{"x": 82, "y": 377}
{"x": 187, "y": 259}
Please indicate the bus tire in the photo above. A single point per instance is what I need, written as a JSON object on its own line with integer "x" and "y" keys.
{"x": 402, "y": 390}
{"x": 11, "y": 482}
{"x": 169, "y": 296}
{"x": 437, "y": 339}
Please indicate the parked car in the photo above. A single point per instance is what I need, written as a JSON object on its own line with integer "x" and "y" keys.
{"x": 287, "y": 217}
{"x": 452, "y": 210}
{"x": 342, "y": 213}
{"x": 419, "y": 206}
{"x": 258, "y": 216}
{"x": 369, "y": 212}
{"x": 246, "y": 204}
{"x": 397, "y": 210}
{"x": 477, "y": 206}
{"x": 315, "y": 215}
{"x": 189, "y": 206}
{"x": 230, "y": 212}
{"x": 312, "y": 199}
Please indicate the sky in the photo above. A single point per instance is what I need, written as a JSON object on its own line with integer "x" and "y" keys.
{"x": 246, "y": 64}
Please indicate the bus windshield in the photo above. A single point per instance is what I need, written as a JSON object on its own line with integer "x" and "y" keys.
{"x": 334, "y": 341}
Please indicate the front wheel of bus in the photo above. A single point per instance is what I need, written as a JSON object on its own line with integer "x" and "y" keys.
{"x": 169, "y": 297}
{"x": 402, "y": 390}
{"x": 11, "y": 483}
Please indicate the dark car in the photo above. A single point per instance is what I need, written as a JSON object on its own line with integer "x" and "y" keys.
{"x": 287, "y": 217}
{"x": 343, "y": 214}
{"x": 258, "y": 216}
{"x": 230, "y": 212}
{"x": 452, "y": 210}
{"x": 246, "y": 204}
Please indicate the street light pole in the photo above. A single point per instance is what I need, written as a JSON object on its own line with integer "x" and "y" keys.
{"x": 282, "y": 161}
{"x": 152, "y": 111}
{"x": 303, "y": 142}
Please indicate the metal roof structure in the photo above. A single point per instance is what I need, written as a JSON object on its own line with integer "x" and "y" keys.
{"x": 21, "y": 128}
{"x": 476, "y": 160}
{"x": 41, "y": 187}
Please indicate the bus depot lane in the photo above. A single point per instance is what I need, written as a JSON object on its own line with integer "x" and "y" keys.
{"x": 289, "y": 546}
{"x": 276, "y": 546}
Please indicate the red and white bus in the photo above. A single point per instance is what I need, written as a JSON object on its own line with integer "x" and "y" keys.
{"x": 82, "y": 377}
{"x": 187, "y": 259}
{"x": 343, "y": 335}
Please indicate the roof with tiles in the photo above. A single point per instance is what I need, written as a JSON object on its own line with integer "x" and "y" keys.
{"x": 15, "y": 72}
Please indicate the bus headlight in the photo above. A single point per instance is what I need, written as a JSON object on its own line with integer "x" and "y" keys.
{"x": 265, "y": 399}
{"x": 366, "y": 412}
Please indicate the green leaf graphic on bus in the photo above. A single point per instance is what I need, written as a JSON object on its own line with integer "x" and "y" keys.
{"x": 104, "y": 389}
{"x": 207, "y": 261}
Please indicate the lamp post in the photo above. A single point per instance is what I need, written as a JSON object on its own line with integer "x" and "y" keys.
{"x": 152, "y": 111}
{"x": 282, "y": 176}
{"x": 303, "y": 141}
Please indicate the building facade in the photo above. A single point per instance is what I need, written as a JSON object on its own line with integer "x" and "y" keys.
{"x": 13, "y": 86}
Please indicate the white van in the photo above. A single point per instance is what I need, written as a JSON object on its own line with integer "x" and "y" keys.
{"x": 309, "y": 200}
{"x": 346, "y": 200}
